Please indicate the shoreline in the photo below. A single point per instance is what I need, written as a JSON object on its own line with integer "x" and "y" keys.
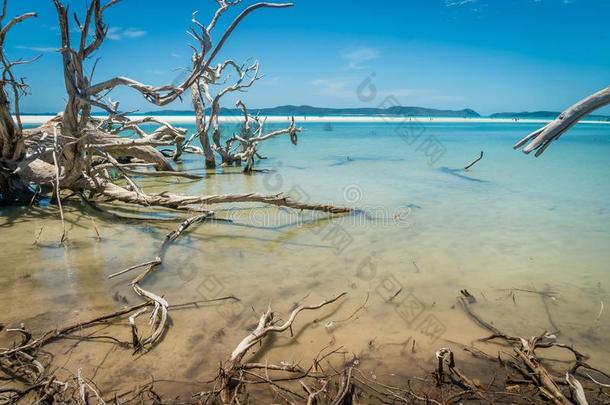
{"x": 190, "y": 119}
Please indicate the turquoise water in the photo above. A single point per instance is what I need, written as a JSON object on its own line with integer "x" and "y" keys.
{"x": 511, "y": 222}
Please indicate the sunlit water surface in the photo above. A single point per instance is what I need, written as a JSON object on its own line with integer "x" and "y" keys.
{"x": 511, "y": 222}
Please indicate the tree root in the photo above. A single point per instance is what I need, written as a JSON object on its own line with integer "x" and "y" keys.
{"x": 232, "y": 368}
{"x": 527, "y": 363}
{"x": 158, "y": 318}
{"x": 291, "y": 383}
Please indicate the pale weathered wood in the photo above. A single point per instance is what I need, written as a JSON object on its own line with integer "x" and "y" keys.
{"x": 81, "y": 141}
{"x": 163, "y": 95}
{"x": 11, "y": 142}
{"x": 264, "y": 328}
{"x": 185, "y": 202}
{"x": 238, "y": 148}
{"x": 542, "y": 138}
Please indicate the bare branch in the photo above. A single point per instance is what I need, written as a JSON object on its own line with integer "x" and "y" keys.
{"x": 14, "y": 22}
{"x": 266, "y": 327}
{"x": 165, "y": 94}
{"x": 542, "y": 138}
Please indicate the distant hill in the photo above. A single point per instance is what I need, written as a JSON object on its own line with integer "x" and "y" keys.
{"x": 306, "y": 110}
{"x": 543, "y": 115}
{"x": 311, "y": 111}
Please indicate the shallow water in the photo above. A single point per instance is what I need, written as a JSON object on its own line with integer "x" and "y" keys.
{"x": 432, "y": 229}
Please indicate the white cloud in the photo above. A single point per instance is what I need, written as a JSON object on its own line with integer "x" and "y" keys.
{"x": 334, "y": 87}
{"x": 134, "y": 33}
{"x": 118, "y": 33}
{"x": 357, "y": 59}
{"x": 157, "y": 72}
{"x": 346, "y": 90}
{"x": 452, "y": 3}
{"x": 269, "y": 81}
{"x": 44, "y": 49}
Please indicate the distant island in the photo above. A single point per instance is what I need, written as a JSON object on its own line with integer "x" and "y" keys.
{"x": 543, "y": 114}
{"x": 304, "y": 110}
{"x": 398, "y": 111}
{"x": 322, "y": 111}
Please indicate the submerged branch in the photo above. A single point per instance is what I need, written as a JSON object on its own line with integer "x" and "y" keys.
{"x": 183, "y": 202}
{"x": 474, "y": 162}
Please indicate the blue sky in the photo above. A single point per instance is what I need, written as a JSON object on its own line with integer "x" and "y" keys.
{"x": 489, "y": 55}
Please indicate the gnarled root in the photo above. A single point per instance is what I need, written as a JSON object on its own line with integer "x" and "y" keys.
{"x": 158, "y": 317}
{"x": 265, "y": 327}
{"x": 526, "y": 362}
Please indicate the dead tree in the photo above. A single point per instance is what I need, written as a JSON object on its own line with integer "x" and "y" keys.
{"x": 240, "y": 147}
{"x": 76, "y": 151}
{"x": 12, "y": 150}
{"x": 76, "y": 124}
{"x": 247, "y": 75}
{"x": 542, "y": 138}
{"x": 253, "y": 132}
{"x": 201, "y": 125}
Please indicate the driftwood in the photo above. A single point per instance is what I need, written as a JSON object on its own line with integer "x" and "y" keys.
{"x": 474, "y": 161}
{"x": 542, "y": 138}
{"x": 77, "y": 137}
{"x": 242, "y": 146}
{"x": 12, "y": 150}
{"x": 21, "y": 360}
{"x": 540, "y": 374}
{"x": 158, "y": 318}
{"x": 78, "y": 152}
{"x": 241, "y": 382}
{"x": 446, "y": 363}
{"x": 527, "y": 363}
{"x": 265, "y": 327}
{"x": 182, "y": 202}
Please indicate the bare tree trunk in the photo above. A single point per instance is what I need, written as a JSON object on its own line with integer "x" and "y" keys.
{"x": 210, "y": 160}
{"x": 78, "y": 109}
{"x": 12, "y": 187}
{"x": 8, "y": 129}
{"x": 8, "y": 136}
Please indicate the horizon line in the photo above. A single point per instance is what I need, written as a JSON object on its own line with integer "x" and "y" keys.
{"x": 190, "y": 119}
